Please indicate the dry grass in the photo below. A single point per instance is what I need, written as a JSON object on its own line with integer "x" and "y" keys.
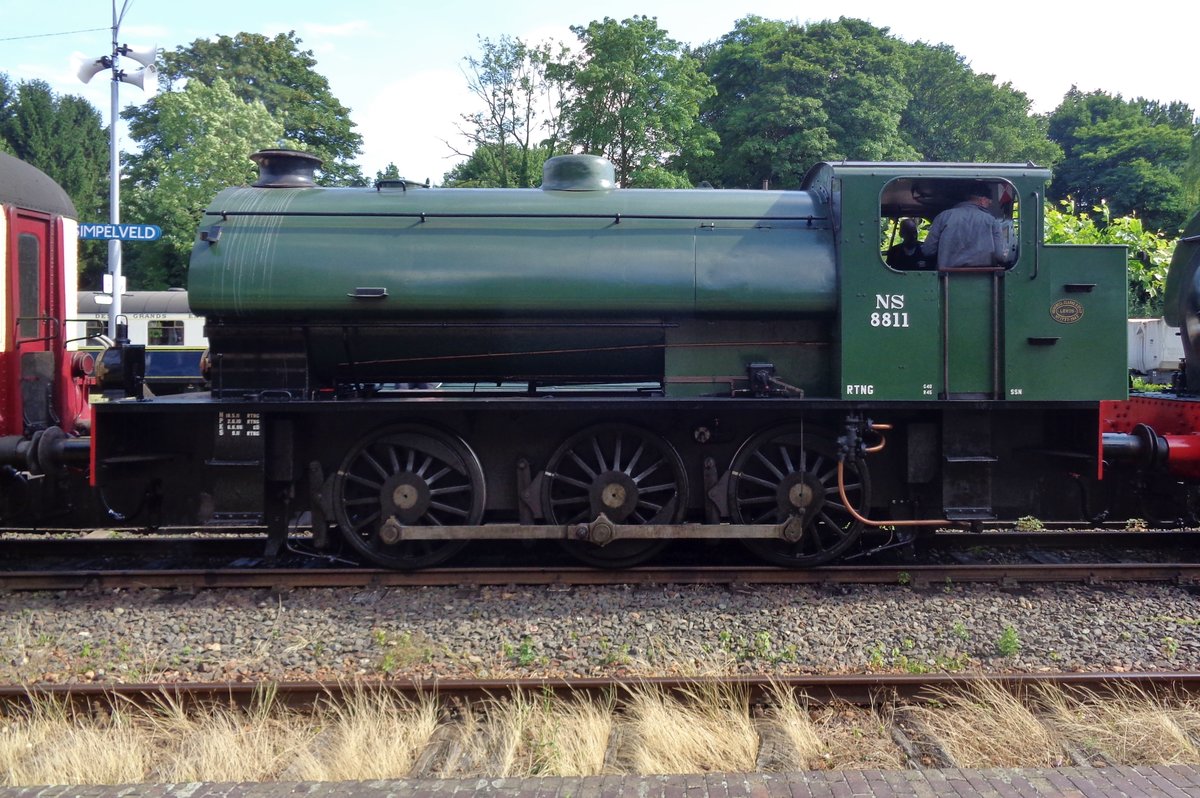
{"x": 378, "y": 734}
{"x": 1130, "y": 728}
{"x": 527, "y": 735}
{"x": 709, "y": 731}
{"x": 375, "y": 734}
{"x": 222, "y": 743}
{"x": 829, "y": 737}
{"x": 51, "y": 744}
{"x": 984, "y": 725}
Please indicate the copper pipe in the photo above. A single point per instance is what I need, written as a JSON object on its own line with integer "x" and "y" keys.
{"x": 841, "y": 477}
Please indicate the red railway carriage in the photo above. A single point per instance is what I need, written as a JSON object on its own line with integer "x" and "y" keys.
{"x": 43, "y": 396}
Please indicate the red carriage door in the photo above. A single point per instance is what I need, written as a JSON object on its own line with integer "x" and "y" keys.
{"x": 32, "y": 327}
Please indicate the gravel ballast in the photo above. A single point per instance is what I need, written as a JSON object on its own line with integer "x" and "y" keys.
{"x": 492, "y": 632}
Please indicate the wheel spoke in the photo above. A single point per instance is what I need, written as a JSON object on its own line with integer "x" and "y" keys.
{"x": 787, "y": 458}
{"x": 638, "y": 479}
{"x": 368, "y": 519}
{"x": 579, "y": 461}
{"x": 758, "y": 455}
{"x": 364, "y": 482}
{"x": 425, "y": 465}
{"x": 616, "y": 464}
{"x": 393, "y": 460}
{"x": 599, "y": 454}
{"x": 437, "y": 476}
{"x": 371, "y": 461}
{"x": 658, "y": 488}
{"x": 771, "y": 486}
{"x": 450, "y": 489}
{"x": 637, "y": 455}
{"x": 446, "y": 508}
{"x": 573, "y": 482}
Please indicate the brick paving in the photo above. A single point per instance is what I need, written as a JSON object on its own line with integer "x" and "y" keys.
{"x": 1179, "y": 781}
{"x": 1172, "y": 781}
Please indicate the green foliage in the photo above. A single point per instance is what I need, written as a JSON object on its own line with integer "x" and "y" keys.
{"x": 199, "y": 146}
{"x": 274, "y": 72}
{"x": 1135, "y": 155}
{"x": 636, "y": 98}
{"x": 1009, "y": 643}
{"x": 790, "y": 95}
{"x": 1148, "y": 251}
{"x": 487, "y": 168}
{"x": 519, "y": 124}
{"x": 523, "y": 654}
{"x": 955, "y": 114}
{"x": 1029, "y": 523}
{"x": 64, "y": 136}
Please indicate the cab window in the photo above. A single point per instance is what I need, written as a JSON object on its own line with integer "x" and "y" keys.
{"x": 909, "y": 205}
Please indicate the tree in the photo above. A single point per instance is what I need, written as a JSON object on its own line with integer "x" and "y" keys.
{"x": 955, "y": 114}
{"x": 200, "y": 145}
{"x": 636, "y": 99}
{"x": 791, "y": 95}
{"x": 1132, "y": 155}
{"x": 277, "y": 73}
{"x": 485, "y": 168}
{"x": 63, "y": 136}
{"x": 519, "y": 123}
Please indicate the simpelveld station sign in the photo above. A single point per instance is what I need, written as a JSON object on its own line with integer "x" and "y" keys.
{"x": 99, "y": 231}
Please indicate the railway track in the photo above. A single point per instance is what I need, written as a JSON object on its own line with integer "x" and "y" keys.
{"x": 858, "y": 689}
{"x": 198, "y": 563}
{"x": 286, "y": 579}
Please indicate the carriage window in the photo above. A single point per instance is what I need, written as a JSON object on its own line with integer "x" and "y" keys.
{"x": 165, "y": 333}
{"x": 95, "y": 329}
{"x": 965, "y": 237}
{"x": 28, "y": 285}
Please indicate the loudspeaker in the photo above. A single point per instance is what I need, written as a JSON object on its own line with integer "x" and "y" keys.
{"x": 145, "y": 79}
{"x": 89, "y": 69}
{"x": 144, "y": 56}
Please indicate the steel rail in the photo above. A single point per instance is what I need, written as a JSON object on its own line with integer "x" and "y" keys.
{"x": 290, "y": 578}
{"x": 861, "y": 689}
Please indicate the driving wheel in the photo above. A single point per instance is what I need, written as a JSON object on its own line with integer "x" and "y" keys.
{"x": 630, "y": 475}
{"x": 787, "y": 472}
{"x": 408, "y": 475}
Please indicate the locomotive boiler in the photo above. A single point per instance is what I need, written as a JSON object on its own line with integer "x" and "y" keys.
{"x": 409, "y": 368}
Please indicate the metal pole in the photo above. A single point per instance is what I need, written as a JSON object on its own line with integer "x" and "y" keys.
{"x": 114, "y": 188}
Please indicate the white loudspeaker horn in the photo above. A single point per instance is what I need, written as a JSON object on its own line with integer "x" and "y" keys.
{"x": 145, "y": 79}
{"x": 144, "y": 56}
{"x": 89, "y": 69}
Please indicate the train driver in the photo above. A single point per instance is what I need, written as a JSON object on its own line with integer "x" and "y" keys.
{"x": 967, "y": 234}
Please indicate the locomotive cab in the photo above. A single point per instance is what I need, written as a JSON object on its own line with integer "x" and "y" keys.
{"x": 1037, "y": 327}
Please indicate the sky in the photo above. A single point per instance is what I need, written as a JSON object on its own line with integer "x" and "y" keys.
{"x": 398, "y": 65}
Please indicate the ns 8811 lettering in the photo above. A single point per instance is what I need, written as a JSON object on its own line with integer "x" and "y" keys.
{"x": 889, "y": 311}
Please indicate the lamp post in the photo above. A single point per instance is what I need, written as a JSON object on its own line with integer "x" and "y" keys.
{"x": 149, "y": 72}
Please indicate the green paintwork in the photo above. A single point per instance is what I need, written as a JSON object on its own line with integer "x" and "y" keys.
{"x": 728, "y": 251}
{"x": 687, "y": 287}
